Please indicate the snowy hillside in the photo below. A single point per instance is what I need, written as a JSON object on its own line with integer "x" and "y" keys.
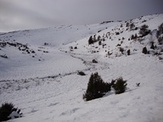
{"x": 39, "y": 71}
{"x": 37, "y": 50}
{"x": 118, "y": 40}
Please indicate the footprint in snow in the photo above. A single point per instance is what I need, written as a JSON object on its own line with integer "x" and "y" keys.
{"x": 53, "y": 104}
{"x": 69, "y": 112}
{"x": 33, "y": 110}
{"x": 114, "y": 102}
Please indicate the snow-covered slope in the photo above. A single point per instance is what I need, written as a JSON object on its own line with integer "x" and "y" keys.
{"x": 39, "y": 72}
{"x": 37, "y": 50}
{"x": 117, "y": 40}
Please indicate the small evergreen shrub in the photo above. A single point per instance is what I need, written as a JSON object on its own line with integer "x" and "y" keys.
{"x": 160, "y": 40}
{"x": 128, "y": 52}
{"x": 96, "y": 87}
{"x": 137, "y": 84}
{"x": 127, "y": 24}
{"x": 119, "y": 85}
{"x": 90, "y": 41}
{"x": 132, "y": 26}
{"x": 144, "y": 30}
{"x": 118, "y": 45}
{"x": 121, "y": 49}
{"x": 8, "y": 111}
{"x": 98, "y": 38}
{"x": 71, "y": 48}
{"x": 136, "y": 28}
{"x": 117, "y": 33}
{"x": 145, "y": 50}
{"x": 45, "y": 44}
{"x": 94, "y": 61}
{"x": 5, "y": 111}
{"x": 93, "y": 39}
{"x": 144, "y": 21}
{"x": 133, "y": 37}
{"x": 4, "y": 56}
{"x": 160, "y": 30}
{"x": 152, "y": 45}
{"x": 99, "y": 43}
{"x": 81, "y": 73}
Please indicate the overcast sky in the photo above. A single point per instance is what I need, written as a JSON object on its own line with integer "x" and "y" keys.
{"x": 26, "y": 14}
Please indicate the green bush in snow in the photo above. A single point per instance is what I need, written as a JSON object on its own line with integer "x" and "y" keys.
{"x": 160, "y": 40}
{"x": 8, "y": 111}
{"x": 144, "y": 50}
{"x": 96, "y": 87}
{"x": 81, "y": 73}
{"x": 144, "y": 30}
{"x": 119, "y": 85}
{"x": 160, "y": 30}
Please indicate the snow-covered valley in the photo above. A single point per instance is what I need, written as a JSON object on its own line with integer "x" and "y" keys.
{"x": 39, "y": 71}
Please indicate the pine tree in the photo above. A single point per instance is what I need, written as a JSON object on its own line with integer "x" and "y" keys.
{"x": 96, "y": 87}
{"x": 152, "y": 45}
{"x": 144, "y": 30}
{"x": 145, "y": 50}
{"x": 6, "y": 111}
{"x": 128, "y": 52}
{"x": 90, "y": 41}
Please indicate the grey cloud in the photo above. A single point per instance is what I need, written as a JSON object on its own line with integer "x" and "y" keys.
{"x": 24, "y": 14}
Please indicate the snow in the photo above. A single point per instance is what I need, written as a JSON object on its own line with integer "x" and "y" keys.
{"x": 35, "y": 39}
{"x": 14, "y": 115}
{"x": 51, "y": 89}
{"x": 57, "y": 64}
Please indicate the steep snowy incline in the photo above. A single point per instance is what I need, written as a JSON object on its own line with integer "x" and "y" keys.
{"x": 40, "y": 76}
{"x": 60, "y": 99}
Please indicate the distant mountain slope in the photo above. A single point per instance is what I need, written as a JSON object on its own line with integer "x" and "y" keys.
{"x": 54, "y": 35}
{"x": 125, "y": 38}
{"x": 27, "y": 48}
